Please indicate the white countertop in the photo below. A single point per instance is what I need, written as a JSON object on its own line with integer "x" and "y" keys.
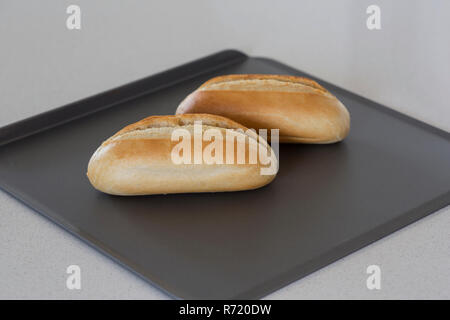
{"x": 43, "y": 65}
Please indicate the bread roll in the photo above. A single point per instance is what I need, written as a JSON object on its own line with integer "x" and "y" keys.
{"x": 138, "y": 160}
{"x": 300, "y": 108}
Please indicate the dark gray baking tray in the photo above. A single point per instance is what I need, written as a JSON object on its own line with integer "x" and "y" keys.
{"x": 327, "y": 201}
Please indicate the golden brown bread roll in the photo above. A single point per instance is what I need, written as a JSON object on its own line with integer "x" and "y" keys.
{"x": 139, "y": 159}
{"x": 304, "y": 111}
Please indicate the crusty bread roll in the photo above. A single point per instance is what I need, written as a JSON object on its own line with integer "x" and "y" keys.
{"x": 138, "y": 160}
{"x": 300, "y": 108}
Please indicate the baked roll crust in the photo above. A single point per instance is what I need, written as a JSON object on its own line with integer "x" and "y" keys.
{"x": 300, "y": 108}
{"x": 138, "y": 160}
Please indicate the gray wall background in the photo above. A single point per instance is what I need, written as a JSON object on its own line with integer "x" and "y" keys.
{"x": 405, "y": 65}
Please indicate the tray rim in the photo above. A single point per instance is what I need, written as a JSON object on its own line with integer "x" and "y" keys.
{"x": 32, "y": 125}
{"x": 106, "y": 99}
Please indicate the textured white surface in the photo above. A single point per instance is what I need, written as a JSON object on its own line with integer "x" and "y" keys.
{"x": 43, "y": 65}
